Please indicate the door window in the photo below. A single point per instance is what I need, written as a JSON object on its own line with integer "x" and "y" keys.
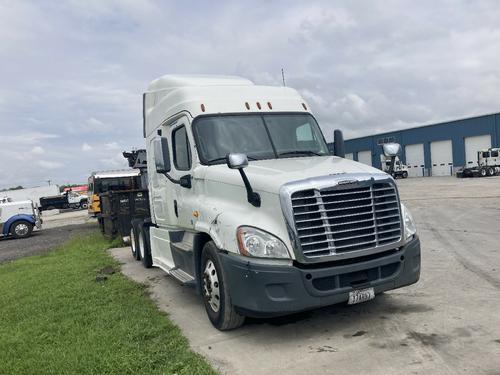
{"x": 181, "y": 150}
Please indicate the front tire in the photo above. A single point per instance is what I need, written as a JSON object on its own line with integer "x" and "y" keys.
{"x": 21, "y": 229}
{"x": 405, "y": 174}
{"x": 216, "y": 298}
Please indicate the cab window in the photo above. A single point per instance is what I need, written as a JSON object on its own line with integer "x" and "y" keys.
{"x": 181, "y": 151}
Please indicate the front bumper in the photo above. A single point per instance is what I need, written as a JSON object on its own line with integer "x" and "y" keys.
{"x": 258, "y": 289}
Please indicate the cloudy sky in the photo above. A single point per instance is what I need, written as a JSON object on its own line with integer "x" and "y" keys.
{"x": 72, "y": 72}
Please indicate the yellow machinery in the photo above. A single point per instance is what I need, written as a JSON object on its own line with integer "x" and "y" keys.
{"x": 101, "y": 182}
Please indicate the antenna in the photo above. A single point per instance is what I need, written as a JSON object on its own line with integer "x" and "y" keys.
{"x": 283, "y": 76}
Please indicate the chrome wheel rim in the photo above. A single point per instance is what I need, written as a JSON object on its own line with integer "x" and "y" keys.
{"x": 211, "y": 286}
{"x": 141, "y": 245}
{"x": 132, "y": 241}
{"x": 21, "y": 229}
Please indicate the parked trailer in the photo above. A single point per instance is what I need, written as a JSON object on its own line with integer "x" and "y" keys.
{"x": 249, "y": 206}
{"x": 119, "y": 208}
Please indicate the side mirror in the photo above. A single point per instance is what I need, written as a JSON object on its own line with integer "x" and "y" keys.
{"x": 236, "y": 161}
{"x": 162, "y": 156}
{"x": 240, "y": 161}
{"x": 338, "y": 143}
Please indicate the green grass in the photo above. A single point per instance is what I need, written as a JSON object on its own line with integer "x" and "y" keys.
{"x": 55, "y": 318}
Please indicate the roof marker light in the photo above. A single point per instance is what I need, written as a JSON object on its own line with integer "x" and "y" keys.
{"x": 247, "y": 105}
{"x": 269, "y": 105}
{"x": 305, "y": 107}
{"x": 258, "y": 105}
{"x": 203, "y": 107}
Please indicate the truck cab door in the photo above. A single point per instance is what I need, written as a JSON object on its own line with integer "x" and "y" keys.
{"x": 182, "y": 166}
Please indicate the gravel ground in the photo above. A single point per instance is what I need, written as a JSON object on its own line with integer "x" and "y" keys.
{"x": 56, "y": 230}
{"x": 447, "y": 323}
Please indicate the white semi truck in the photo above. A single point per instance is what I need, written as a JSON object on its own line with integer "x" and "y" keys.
{"x": 18, "y": 218}
{"x": 249, "y": 206}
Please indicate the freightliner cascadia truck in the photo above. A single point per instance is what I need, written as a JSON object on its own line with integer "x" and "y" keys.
{"x": 250, "y": 207}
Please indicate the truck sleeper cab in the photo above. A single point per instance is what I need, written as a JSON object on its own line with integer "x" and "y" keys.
{"x": 249, "y": 206}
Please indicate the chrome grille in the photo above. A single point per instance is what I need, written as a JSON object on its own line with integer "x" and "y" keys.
{"x": 339, "y": 219}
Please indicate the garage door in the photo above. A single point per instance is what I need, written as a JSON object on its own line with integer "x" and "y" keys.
{"x": 349, "y": 156}
{"x": 365, "y": 157}
{"x": 442, "y": 158}
{"x": 415, "y": 160}
{"x": 473, "y": 145}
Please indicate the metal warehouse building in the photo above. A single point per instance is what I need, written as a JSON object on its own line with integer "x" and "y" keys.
{"x": 432, "y": 150}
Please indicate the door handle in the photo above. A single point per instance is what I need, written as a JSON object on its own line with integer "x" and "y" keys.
{"x": 176, "y": 210}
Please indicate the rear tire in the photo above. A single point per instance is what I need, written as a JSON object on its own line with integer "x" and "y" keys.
{"x": 144, "y": 246}
{"x": 215, "y": 292}
{"x": 491, "y": 171}
{"x": 483, "y": 172}
{"x": 405, "y": 174}
{"x": 134, "y": 240}
{"x": 21, "y": 229}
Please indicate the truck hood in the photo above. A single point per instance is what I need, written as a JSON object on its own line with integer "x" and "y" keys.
{"x": 270, "y": 175}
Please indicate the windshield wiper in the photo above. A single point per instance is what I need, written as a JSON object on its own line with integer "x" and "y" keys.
{"x": 223, "y": 158}
{"x": 299, "y": 152}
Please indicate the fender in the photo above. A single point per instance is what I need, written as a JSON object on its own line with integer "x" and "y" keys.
{"x": 8, "y": 223}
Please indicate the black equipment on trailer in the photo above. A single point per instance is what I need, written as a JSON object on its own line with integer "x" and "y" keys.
{"x": 119, "y": 208}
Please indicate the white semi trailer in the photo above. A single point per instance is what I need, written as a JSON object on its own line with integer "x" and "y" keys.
{"x": 249, "y": 206}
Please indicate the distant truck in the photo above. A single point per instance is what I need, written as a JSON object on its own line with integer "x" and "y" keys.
{"x": 63, "y": 201}
{"x": 488, "y": 164}
{"x": 400, "y": 169}
{"x": 18, "y": 219}
{"x": 113, "y": 180}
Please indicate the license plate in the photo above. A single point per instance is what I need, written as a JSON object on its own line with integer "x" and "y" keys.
{"x": 361, "y": 295}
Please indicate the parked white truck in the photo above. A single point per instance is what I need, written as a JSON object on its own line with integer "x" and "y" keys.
{"x": 249, "y": 206}
{"x": 18, "y": 218}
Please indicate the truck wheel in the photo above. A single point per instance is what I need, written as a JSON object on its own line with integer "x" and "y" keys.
{"x": 134, "y": 241}
{"x": 405, "y": 174}
{"x": 483, "y": 172}
{"x": 21, "y": 229}
{"x": 215, "y": 293}
{"x": 144, "y": 247}
{"x": 84, "y": 205}
{"x": 491, "y": 171}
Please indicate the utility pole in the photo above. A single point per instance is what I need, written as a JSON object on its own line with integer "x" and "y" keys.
{"x": 48, "y": 181}
{"x": 283, "y": 76}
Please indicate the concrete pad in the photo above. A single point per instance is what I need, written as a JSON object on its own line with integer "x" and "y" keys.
{"x": 448, "y": 323}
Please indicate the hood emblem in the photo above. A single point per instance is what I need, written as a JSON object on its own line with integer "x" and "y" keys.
{"x": 347, "y": 182}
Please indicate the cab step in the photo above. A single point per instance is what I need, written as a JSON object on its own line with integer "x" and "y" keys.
{"x": 183, "y": 277}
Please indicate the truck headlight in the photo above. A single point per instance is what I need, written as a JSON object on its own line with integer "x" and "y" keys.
{"x": 410, "y": 227}
{"x": 257, "y": 243}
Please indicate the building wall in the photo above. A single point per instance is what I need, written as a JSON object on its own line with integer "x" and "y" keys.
{"x": 456, "y": 131}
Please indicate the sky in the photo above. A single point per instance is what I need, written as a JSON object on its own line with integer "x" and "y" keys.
{"x": 72, "y": 72}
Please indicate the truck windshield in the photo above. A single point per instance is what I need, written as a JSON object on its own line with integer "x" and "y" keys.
{"x": 258, "y": 136}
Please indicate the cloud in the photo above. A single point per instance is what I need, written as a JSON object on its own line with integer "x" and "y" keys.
{"x": 37, "y": 150}
{"x": 86, "y": 147}
{"x": 46, "y": 164}
{"x": 363, "y": 67}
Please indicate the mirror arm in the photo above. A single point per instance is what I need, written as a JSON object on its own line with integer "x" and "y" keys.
{"x": 252, "y": 197}
{"x": 180, "y": 181}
